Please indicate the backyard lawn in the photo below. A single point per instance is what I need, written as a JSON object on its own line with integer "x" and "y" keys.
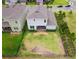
{"x": 46, "y": 41}
{"x": 60, "y": 2}
{"x": 10, "y": 44}
{"x": 71, "y": 21}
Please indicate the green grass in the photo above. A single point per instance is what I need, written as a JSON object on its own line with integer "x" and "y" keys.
{"x": 71, "y": 21}
{"x": 60, "y": 2}
{"x": 46, "y": 40}
{"x": 50, "y": 41}
{"x": 39, "y": 58}
{"x": 10, "y": 44}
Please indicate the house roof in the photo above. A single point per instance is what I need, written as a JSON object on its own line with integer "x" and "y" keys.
{"x": 37, "y": 12}
{"x": 42, "y": 12}
{"x": 39, "y": 0}
{"x": 51, "y": 19}
{"x": 13, "y": 12}
{"x": 23, "y": 0}
{"x": 11, "y": 0}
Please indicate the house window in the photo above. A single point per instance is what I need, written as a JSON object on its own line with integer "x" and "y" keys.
{"x": 16, "y": 22}
{"x": 32, "y": 27}
{"x": 34, "y": 19}
{"x": 15, "y": 28}
{"x": 44, "y": 21}
{"x": 2, "y": 19}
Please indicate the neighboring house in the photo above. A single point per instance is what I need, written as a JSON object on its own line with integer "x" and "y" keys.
{"x": 40, "y": 17}
{"x": 39, "y": 2}
{"x": 13, "y": 19}
{"x": 11, "y": 2}
{"x": 47, "y": 0}
{"x": 24, "y": 1}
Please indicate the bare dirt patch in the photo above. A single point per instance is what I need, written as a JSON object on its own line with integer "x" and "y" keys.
{"x": 43, "y": 43}
{"x": 37, "y": 48}
{"x": 62, "y": 48}
{"x": 42, "y": 51}
{"x": 15, "y": 33}
{"x": 40, "y": 33}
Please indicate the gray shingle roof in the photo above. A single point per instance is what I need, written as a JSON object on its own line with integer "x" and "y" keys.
{"x": 39, "y": 0}
{"x": 11, "y": 0}
{"x": 51, "y": 19}
{"x": 13, "y": 13}
{"x": 42, "y": 12}
{"x": 37, "y": 12}
{"x": 23, "y": 0}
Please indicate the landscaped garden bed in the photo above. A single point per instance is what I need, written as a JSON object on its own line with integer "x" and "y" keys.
{"x": 66, "y": 36}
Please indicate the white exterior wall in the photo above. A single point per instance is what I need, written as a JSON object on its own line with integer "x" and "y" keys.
{"x": 37, "y": 22}
{"x": 13, "y": 25}
{"x": 51, "y": 27}
{"x": 20, "y": 24}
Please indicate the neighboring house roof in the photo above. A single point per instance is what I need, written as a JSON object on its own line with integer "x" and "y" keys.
{"x": 39, "y": 0}
{"x": 6, "y": 12}
{"x": 37, "y": 12}
{"x": 13, "y": 13}
{"x": 11, "y": 0}
{"x": 23, "y": 0}
{"x": 5, "y": 24}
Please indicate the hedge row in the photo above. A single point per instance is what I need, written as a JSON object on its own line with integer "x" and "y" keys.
{"x": 67, "y": 37}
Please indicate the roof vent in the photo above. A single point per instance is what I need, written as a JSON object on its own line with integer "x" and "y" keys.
{"x": 36, "y": 11}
